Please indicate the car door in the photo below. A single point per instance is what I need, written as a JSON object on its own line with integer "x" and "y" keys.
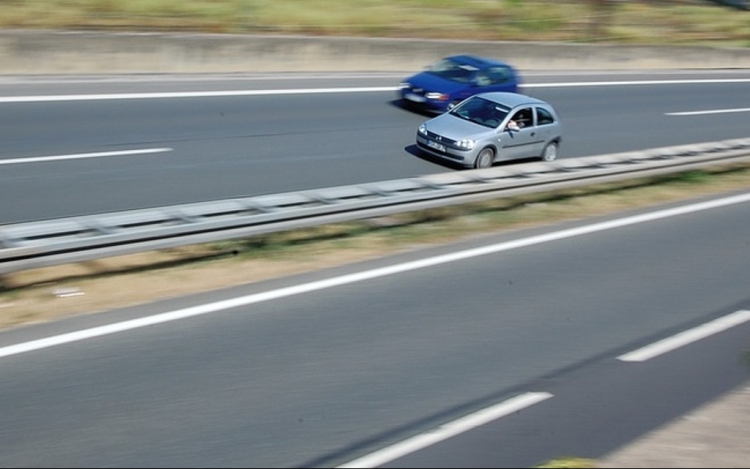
{"x": 524, "y": 142}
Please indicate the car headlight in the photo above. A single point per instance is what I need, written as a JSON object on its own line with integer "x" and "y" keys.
{"x": 438, "y": 96}
{"x": 422, "y": 130}
{"x": 466, "y": 144}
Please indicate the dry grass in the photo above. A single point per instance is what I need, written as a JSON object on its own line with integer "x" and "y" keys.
{"x": 633, "y": 21}
{"x": 130, "y": 280}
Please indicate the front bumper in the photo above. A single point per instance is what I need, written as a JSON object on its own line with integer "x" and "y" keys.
{"x": 421, "y": 101}
{"x": 444, "y": 150}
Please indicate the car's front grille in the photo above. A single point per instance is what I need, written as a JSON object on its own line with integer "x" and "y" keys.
{"x": 440, "y": 139}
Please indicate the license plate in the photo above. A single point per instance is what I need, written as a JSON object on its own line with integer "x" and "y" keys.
{"x": 415, "y": 97}
{"x": 435, "y": 145}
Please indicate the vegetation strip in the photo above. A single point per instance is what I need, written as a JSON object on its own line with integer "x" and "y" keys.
{"x": 684, "y": 22}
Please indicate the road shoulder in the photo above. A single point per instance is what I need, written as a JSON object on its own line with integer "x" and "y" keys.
{"x": 714, "y": 435}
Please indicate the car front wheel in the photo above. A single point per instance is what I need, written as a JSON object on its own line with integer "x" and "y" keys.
{"x": 550, "y": 152}
{"x": 485, "y": 159}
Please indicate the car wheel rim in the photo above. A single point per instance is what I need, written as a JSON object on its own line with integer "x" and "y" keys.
{"x": 550, "y": 153}
{"x": 484, "y": 160}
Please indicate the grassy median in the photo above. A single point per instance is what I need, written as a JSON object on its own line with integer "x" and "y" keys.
{"x": 87, "y": 287}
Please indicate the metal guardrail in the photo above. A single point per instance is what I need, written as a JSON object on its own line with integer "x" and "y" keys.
{"x": 33, "y": 245}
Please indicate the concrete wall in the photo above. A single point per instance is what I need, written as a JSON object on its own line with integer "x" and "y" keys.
{"x": 43, "y": 52}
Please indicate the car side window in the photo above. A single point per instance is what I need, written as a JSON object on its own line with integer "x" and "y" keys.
{"x": 544, "y": 117}
{"x": 524, "y": 117}
{"x": 483, "y": 79}
{"x": 498, "y": 75}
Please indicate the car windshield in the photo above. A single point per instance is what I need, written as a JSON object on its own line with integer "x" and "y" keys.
{"x": 481, "y": 111}
{"x": 454, "y": 71}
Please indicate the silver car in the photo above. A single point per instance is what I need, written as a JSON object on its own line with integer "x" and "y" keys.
{"x": 490, "y": 127}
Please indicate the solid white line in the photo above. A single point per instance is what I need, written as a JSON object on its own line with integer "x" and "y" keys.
{"x": 703, "y": 113}
{"x": 80, "y": 156}
{"x": 686, "y": 338}
{"x": 207, "y": 94}
{"x": 362, "y": 276}
{"x": 185, "y": 78}
{"x": 188, "y": 94}
{"x": 637, "y": 82}
{"x": 448, "y": 430}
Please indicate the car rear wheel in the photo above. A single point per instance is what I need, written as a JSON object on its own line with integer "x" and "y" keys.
{"x": 485, "y": 159}
{"x": 550, "y": 152}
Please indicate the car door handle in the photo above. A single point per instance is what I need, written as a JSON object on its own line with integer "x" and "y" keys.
{"x": 533, "y": 134}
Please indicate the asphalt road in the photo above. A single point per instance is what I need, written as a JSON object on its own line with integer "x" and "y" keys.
{"x": 328, "y": 367}
{"x": 309, "y": 133}
{"x": 322, "y": 369}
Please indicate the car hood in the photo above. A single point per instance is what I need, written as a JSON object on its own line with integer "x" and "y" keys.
{"x": 430, "y": 82}
{"x": 455, "y": 128}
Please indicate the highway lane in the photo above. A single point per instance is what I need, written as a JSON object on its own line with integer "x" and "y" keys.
{"x": 325, "y": 367}
{"x": 590, "y": 411}
{"x": 233, "y": 146}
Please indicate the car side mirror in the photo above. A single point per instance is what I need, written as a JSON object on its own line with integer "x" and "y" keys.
{"x": 512, "y": 126}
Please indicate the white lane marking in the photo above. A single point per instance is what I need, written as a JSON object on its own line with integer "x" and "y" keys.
{"x": 637, "y": 82}
{"x": 448, "y": 430}
{"x": 205, "y": 94}
{"x": 188, "y": 94}
{"x": 361, "y": 276}
{"x": 184, "y": 78}
{"x": 80, "y": 156}
{"x": 713, "y": 111}
{"x": 686, "y": 338}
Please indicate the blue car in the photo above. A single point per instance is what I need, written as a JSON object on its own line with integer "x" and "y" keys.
{"x": 453, "y": 79}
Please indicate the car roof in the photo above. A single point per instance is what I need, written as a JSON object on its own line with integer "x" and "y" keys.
{"x": 477, "y": 61}
{"x": 511, "y": 99}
